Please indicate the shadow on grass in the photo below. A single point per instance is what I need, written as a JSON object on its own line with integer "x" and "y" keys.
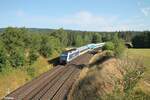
{"x": 54, "y": 61}
{"x": 99, "y": 61}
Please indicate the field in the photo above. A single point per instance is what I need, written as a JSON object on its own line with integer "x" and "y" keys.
{"x": 144, "y": 56}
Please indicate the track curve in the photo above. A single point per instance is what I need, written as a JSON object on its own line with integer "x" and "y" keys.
{"x": 52, "y": 85}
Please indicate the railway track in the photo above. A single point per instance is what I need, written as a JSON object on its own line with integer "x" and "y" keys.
{"x": 52, "y": 85}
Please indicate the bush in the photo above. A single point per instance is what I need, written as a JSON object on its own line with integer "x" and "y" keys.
{"x": 31, "y": 71}
{"x": 109, "y": 46}
{"x": 133, "y": 73}
{"x": 116, "y": 45}
{"x": 3, "y": 56}
{"x": 17, "y": 57}
{"x": 119, "y": 46}
{"x": 33, "y": 56}
{"x": 109, "y": 53}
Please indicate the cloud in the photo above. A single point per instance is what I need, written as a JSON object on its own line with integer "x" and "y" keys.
{"x": 82, "y": 20}
{"x": 20, "y": 13}
{"x": 145, "y": 11}
{"x": 85, "y": 18}
{"x": 87, "y": 21}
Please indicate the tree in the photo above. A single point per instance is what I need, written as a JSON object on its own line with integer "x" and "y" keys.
{"x": 14, "y": 37}
{"x": 61, "y": 35}
{"x": 119, "y": 45}
{"x": 78, "y": 40}
{"x": 96, "y": 38}
{"x": 3, "y": 56}
{"x": 142, "y": 40}
{"x": 33, "y": 55}
{"x": 87, "y": 38}
{"x": 126, "y": 36}
{"x": 36, "y": 42}
{"x": 109, "y": 46}
{"x": 49, "y": 45}
{"x": 17, "y": 57}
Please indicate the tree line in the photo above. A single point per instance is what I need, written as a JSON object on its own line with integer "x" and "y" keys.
{"x": 142, "y": 40}
{"x": 21, "y": 47}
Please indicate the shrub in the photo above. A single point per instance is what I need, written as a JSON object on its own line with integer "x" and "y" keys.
{"x": 119, "y": 46}
{"x": 109, "y": 46}
{"x": 109, "y": 53}
{"x": 33, "y": 55}
{"x": 17, "y": 57}
{"x": 105, "y": 82}
{"x": 31, "y": 71}
{"x": 116, "y": 45}
{"x": 3, "y": 56}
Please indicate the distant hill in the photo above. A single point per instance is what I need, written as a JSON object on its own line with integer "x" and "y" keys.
{"x": 2, "y": 29}
{"x": 46, "y": 30}
{"x": 39, "y": 30}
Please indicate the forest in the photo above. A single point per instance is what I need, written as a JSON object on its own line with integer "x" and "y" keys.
{"x": 21, "y": 47}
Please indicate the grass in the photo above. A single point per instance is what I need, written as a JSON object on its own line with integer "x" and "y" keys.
{"x": 16, "y": 77}
{"x": 95, "y": 80}
{"x": 144, "y": 55}
{"x": 11, "y": 81}
{"x": 115, "y": 79}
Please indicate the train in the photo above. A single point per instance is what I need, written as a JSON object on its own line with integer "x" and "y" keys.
{"x": 69, "y": 55}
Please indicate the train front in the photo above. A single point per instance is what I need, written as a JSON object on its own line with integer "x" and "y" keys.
{"x": 63, "y": 58}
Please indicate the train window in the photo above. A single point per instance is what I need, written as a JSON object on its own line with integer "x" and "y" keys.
{"x": 73, "y": 54}
{"x": 63, "y": 57}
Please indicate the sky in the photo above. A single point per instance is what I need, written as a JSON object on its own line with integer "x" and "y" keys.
{"x": 86, "y": 15}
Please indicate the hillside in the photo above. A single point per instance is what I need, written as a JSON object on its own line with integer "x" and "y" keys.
{"x": 114, "y": 79}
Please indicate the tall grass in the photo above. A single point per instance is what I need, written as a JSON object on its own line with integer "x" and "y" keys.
{"x": 11, "y": 78}
{"x": 114, "y": 79}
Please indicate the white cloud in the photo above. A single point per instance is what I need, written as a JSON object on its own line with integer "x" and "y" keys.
{"x": 85, "y": 18}
{"x": 82, "y": 20}
{"x": 145, "y": 11}
{"x": 20, "y": 13}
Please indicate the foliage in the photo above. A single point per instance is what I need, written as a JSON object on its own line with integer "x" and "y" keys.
{"x": 109, "y": 46}
{"x": 24, "y": 46}
{"x": 144, "y": 55}
{"x": 17, "y": 57}
{"x": 31, "y": 72}
{"x": 21, "y": 46}
{"x": 142, "y": 40}
{"x": 32, "y": 56}
{"x": 96, "y": 38}
{"x": 119, "y": 46}
{"x": 14, "y": 37}
{"x": 49, "y": 45}
{"x": 3, "y": 56}
{"x": 133, "y": 73}
{"x": 109, "y": 53}
{"x": 78, "y": 41}
{"x": 116, "y": 45}
{"x": 61, "y": 35}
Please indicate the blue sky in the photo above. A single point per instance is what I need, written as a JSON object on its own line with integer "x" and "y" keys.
{"x": 90, "y": 15}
